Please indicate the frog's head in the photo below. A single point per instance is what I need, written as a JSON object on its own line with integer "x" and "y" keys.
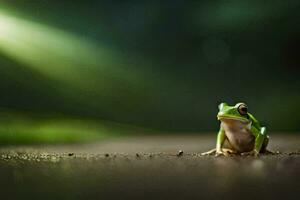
{"x": 238, "y": 112}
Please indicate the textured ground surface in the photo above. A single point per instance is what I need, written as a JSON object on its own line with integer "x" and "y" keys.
{"x": 149, "y": 167}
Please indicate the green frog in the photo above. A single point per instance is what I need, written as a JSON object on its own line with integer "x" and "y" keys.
{"x": 240, "y": 132}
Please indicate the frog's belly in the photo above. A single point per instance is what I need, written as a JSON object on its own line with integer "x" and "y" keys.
{"x": 238, "y": 134}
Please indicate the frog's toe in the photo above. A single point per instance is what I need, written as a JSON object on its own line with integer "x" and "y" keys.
{"x": 219, "y": 153}
{"x": 250, "y": 153}
{"x": 211, "y": 152}
{"x": 222, "y": 153}
{"x": 229, "y": 151}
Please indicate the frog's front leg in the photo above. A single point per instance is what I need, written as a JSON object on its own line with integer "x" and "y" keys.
{"x": 218, "y": 150}
{"x": 260, "y": 137}
{"x": 220, "y": 141}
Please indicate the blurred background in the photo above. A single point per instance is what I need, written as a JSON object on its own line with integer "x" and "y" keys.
{"x": 83, "y": 70}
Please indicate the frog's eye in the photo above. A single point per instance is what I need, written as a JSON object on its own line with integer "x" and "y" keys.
{"x": 243, "y": 109}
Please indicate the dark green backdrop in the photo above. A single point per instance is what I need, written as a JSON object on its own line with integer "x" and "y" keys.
{"x": 185, "y": 57}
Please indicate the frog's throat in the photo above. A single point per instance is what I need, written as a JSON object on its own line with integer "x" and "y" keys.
{"x": 220, "y": 117}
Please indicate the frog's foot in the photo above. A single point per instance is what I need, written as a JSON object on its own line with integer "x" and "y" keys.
{"x": 229, "y": 151}
{"x": 225, "y": 152}
{"x": 268, "y": 152}
{"x": 250, "y": 153}
{"x": 211, "y": 152}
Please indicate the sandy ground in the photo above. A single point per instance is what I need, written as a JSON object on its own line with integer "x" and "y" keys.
{"x": 149, "y": 167}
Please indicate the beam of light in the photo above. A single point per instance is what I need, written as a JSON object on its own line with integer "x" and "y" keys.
{"x": 58, "y": 54}
{"x": 83, "y": 71}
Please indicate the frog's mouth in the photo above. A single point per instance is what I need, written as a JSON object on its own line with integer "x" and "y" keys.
{"x": 221, "y": 117}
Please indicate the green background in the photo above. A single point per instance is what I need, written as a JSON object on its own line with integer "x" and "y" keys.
{"x": 162, "y": 65}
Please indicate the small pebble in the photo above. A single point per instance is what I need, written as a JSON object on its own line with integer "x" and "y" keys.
{"x": 180, "y": 153}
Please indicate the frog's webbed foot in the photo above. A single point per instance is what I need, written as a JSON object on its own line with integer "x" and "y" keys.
{"x": 250, "y": 153}
{"x": 211, "y": 152}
